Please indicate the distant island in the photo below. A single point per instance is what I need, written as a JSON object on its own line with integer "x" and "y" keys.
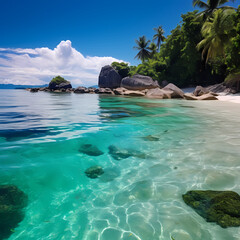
{"x": 12, "y": 86}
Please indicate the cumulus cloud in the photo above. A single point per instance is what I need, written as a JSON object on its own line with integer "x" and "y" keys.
{"x": 37, "y": 66}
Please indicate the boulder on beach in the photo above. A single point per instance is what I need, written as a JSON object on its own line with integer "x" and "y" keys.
{"x": 59, "y": 83}
{"x": 94, "y": 172}
{"x": 109, "y": 78}
{"x": 138, "y": 82}
{"x": 90, "y": 150}
{"x": 12, "y": 202}
{"x": 208, "y": 96}
{"x": 159, "y": 93}
{"x": 176, "y": 92}
{"x": 222, "y": 207}
{"x": 199, "y": 91}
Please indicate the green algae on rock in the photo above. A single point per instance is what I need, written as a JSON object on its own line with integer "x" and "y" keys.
{"x": 12, "y": 202}
{"x": 94, "y": 172}
{"x": 222, "y": 207}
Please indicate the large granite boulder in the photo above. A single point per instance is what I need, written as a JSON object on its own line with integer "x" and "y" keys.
{"x": 176, "y": 92}
{"x": 12, "y": 202}
{"x": 138, "y": 82}
{"x": 159, "y": 93}
{"x": 109, "y": 78}
{"x": 222, "y": 207}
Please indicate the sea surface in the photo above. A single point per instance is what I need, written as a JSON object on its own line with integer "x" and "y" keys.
{"x": 176, "y": 146}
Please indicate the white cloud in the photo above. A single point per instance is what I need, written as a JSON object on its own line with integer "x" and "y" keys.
{"x": 37, "y": 66}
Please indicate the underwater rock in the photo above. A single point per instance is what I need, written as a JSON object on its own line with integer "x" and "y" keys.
{"x": 119, "y": 154}
{"x": 90, "y": 150}
{"x": 12, "y": 202}
{"x": 151, "y": 138}
{"x": 110, "y": 174}
{"x": 94, "y": 172}
{"x": 222, "y": 207}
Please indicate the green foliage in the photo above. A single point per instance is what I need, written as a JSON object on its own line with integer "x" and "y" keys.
{"x": 122, "y": 68}
{"x": 233, "y": 80}
{"x": 233, "y": 50}
{"x": 58, "y": 80}
{"x": 217, "y": 32}
{"x": 211, "y": 6}
{"x": 179, "y": 61}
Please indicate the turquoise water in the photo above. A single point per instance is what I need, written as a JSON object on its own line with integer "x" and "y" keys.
{"x": 197, "y": 146}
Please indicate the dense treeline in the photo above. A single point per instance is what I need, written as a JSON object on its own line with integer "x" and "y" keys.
{"x": 204, "y": 49}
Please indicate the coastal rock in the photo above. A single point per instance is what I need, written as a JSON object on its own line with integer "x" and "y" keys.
{"x": 134, "y": 93}
{"x": 90, "y": 150}
{"x": 138, "y": 82}
{"x": 159, "y": 93}
{"x": 190, "y": 96}
{"x": 199, "y": 91}
{"x": 54, "y": 86}
{"x": 64, "y": 85}
{"x": 81, "y": 90}
{"x": 109, "y": 78}
{"x": 176, "y": 92}
{"x": 119, "y": 91}
{"x": 222, "y": 207}
{"x": 105, "y": 91}
{"x": 94, "y": 172}
{"x": 208, "y": 96}
{"x": 12, "y": 202}
{"x": 33, "y": 90}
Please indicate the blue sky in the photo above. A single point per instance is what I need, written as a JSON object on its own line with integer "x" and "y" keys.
{"x": 95, "y": 28}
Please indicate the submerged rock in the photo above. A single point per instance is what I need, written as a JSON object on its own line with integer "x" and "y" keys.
{"x": 119, "y": 154}
{"x": 12, "y": 202}
{"x": 90, "y": 150}
{"x": 151, "y": 138}
{"x": 94, "y": 172}
{"x": 222, "y": 207}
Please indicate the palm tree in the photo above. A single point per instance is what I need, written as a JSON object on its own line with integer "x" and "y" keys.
{"x": 211, "y": 5}
{"x": 217, "y": 32}
{"x": 159, "y": 36}
{"x": 153, "y": 49}
{"x": 142, "y": 46}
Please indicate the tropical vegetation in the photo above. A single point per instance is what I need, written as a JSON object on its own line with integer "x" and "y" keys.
{"x": 199, "y": 51}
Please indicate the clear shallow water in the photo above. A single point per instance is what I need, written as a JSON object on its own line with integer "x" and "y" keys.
{"x": 40, "y": 137}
